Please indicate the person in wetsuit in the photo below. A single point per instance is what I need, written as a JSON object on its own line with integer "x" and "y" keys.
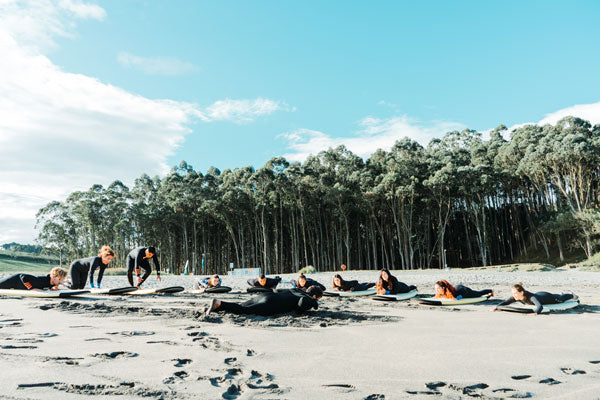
{"x": 444, "y": 290}
{"x": 33, "y": 282}
{"x": 138, "y": 259}
{"x": 350, "y": 286}
{"x": 81, "y": 268}
{"x": 213, "y": 281}
{"x": 304, "y": 283}
{"x": 537, "y": 299}
{"x": 263, "y": 282}
{"x": 389, "y": 284}
{"x": 272, "y": 303}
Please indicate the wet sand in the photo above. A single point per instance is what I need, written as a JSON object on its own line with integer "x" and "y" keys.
{"x": 161, "y": 346}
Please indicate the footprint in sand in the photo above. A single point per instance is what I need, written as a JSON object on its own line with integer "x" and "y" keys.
{"x": 114, "y": 355}
{"x": 233, "y": 392}
{"x": 97, "y": 339}
{"x": 550, "y": 381}
{"x": 375, "y": 397}
{"x": 10, "y": 346}
{"x": 132, "y": 333}
{"x": 178, "y": 376}
{"x": 571, "y": 371}
{"x": 469, "y": 390}
{"x": 63, "y": 360}
{"x": 181, "y": 362}
{"x": 251, "y": 352}
{"x": 520, "y": 377}
{"x": 230, "y": 360}
{"x": 595, "y": 362}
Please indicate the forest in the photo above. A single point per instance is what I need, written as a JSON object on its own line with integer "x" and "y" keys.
{"x": 466, "y": 199}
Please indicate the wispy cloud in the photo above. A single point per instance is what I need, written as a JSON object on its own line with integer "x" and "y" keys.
{"x": 244, "y": 110}
{"x": 61, "y": 131}
{"x": 373, "y": 134}
{"x": 83, "y": 10}
{"x": 156, "y": 65}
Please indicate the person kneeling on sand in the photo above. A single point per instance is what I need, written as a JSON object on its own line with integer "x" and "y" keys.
{"x": 535, "y": 299}
{"x": 271, "y": 303}
{"x": 443, "y": 289}
{"x": 32, "y": 282}
{"x": 349, "y": 286}
{"x": 389, "y": 284}
{"x": 264, "y": 282}
{"x": 304, "y": 283}
{"x": 213, "y": 281}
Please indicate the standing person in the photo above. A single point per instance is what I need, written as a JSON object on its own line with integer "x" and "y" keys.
{"x": 79, "y": 269}
{"x": 139, "y": 258}
{"x": 538, "y": 299}
{"x": 341, "y": 285}
{"x": 33, "y": 282}
{"x": 264, "y": 282}
{"x": 271, "y": 303}
{"x": 304, "y": 283}
{"x": 389, "y": 284}
{"x": 443, "y": 289}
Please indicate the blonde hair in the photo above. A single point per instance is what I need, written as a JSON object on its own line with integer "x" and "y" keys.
{"x": 58, "y": 272}
{"x": 106, "y": 251}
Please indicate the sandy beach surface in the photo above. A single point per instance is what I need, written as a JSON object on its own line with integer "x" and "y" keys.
{"x": 162, "y": 346}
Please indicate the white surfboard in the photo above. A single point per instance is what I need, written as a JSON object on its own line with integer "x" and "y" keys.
{"x": 42, "y": 293}
{"x": 452, "y": 302}
{"x": 169, "y": 289}
{"x": 334, "y": 293}
{"x": 546, "y": 308}
{"x": 396, "y": 297}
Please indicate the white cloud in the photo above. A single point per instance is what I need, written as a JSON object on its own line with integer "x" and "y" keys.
{"x": 83, "y": 10}
{"x": 589, "y": 112}
{"x": 374, "y": 134}
{"x": 61, "y": 131}
{"x": 244, "y": 110}
{"x": 156, "y": 65}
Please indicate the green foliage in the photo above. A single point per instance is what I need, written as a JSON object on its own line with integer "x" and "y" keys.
{"x": 309, "y": 269}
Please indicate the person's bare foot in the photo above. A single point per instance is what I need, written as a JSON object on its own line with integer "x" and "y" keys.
{"x": 214, "y": 304}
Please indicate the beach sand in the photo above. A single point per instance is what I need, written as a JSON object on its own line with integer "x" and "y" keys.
{"x": 161, "y": 346}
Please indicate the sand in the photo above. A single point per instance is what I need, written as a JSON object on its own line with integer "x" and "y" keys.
{"x": 162, "y": 346}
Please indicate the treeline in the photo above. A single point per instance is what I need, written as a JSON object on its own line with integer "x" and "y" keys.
{"x": 24, "y": 248}
{"x": 461, "y": 201}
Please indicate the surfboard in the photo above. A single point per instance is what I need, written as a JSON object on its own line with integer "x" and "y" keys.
{"x": 395, "y": 297}
{"x": 546, "y": 308}
{"x": 169, "y": 289}
{"x": 452, "y": 302}
{"x": 120, "y": 290}
{"x": 219, "y": 289}
{"x": 42, "y": 294}
{"x": 332, "y": 293}
{"x": 256, "y": 289}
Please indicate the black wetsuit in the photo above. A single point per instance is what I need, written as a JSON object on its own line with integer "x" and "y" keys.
{"x": 309, "y": 283}
{"x": 468, "y": 293}
{"x": 354, "y": 286}
{"x": 26, "y": 282}
{"x": 272, "y": 303}
{"x": 271, "y": 283}
{"x": 397, "y": 286}
{"x": 79, "y": 270}
{"x": 539, "y": 299}
{"x": 136, "y": 259}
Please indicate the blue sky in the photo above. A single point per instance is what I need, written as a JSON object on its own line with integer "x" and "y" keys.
{"x": 93, "y": 91}
{"x": 477, "y": 63}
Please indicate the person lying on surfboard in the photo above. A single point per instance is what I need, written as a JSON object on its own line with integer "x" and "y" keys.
{"x": 81, "y": 268}
{"x": 32, "y": 282}
{"x": 271, "y": 303}
{"x": 139, "y": 258}
{"x": 389, "y": 284}
{"x": 263, "y": 282}
{"x": 444, "y": 290}
{"x": 350, "y": 286}
{"x": 537, "y": 299}
{"x": 210, "y": 282}
{"x": 304, "y": 283}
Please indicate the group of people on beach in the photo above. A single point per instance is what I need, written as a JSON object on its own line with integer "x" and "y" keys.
{"x": 301, "y": 297}
{"x": 79, "y": 271}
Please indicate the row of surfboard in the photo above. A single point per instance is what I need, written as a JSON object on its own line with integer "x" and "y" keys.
{"x": 224, "y": 289}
